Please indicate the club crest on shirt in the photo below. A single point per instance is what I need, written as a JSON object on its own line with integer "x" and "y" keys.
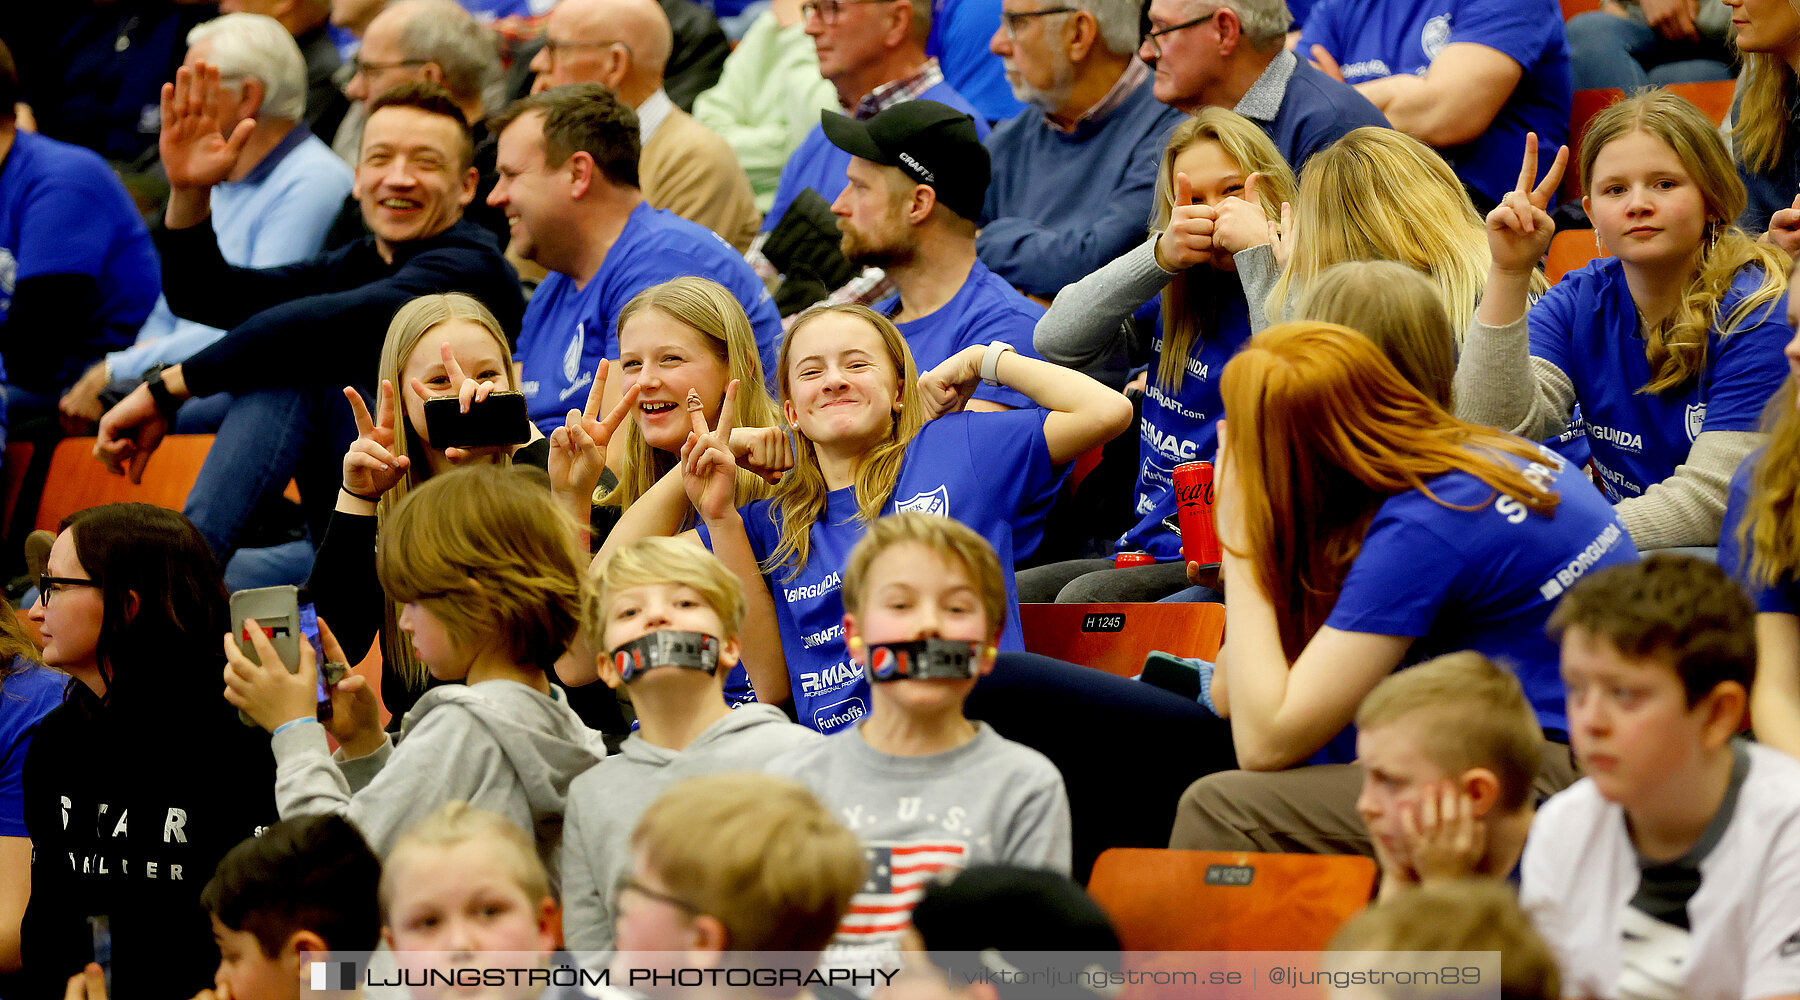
{"x": 571, "y": 361}
{"x": 936, "y": 502}
{"x": 1435, "y": 36}
{"x": 1696, "y": 415}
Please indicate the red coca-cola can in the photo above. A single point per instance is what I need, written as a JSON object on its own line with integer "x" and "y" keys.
{"x": 1194, "y": 513}
{"x": 1124, "y": 559}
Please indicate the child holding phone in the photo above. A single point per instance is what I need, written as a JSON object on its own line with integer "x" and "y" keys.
{"x": 482, "y": 563}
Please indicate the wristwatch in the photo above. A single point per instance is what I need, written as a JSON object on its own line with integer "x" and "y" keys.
{"x": 991, "y": 361}
{"x": 166, "y": 403}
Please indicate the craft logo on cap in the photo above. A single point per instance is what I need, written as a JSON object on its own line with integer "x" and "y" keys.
{"x": 918, "y": 168}
{"x": 334, "y": 976}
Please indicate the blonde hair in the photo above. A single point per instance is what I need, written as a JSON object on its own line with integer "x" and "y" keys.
{"x": 709, "y": 310}
{"x": 1323, "y": 429}
{"x": 1190, "y": 302}
{"x": 758, "y": 853}
{"x": 1379, "y": 194}
{"x": 801, "y": 495}
{"x": 950, "y": 540}
{"x": 1767, "y": 534}
{"x": 1676, "y": 348}
{"x": 1472, "y": 914}
{"x": 491, "y": 555}
{"x": 456, "y": 823}
{"x": 662, "y": 560}
{"x": 410, "y": 325}
{"x": 1759, "y": 132}
{"x": 1464, "y": 711}
{"x": 1398, "y": 308}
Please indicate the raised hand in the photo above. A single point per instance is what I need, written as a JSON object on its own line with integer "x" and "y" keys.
{"x": 355, "y": 714}
{"x": 578, "y": 447}
{"x": 765, "y": 451}
{"x": 1519, "y": 228}
{"x": 370, "y": 466}
{"x": 468, "y": 393}
{"x": 1188, "y": 240}
{"x": 1784, "y": 229}
{"x": 266, "y": 691}
{"x": 708, "y": 471}
{"x": 1242, "y": 222}
{"x": 948, "y": 387}
{"x": 195, "y": 153}
{"x": 1282, "y": 235}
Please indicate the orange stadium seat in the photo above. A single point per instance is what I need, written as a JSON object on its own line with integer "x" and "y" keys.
{"x": 78, "y": 481}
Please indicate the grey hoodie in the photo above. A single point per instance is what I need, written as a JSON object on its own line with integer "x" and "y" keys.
{"x": 499, "y": 745}
{"x": 606, "y": 803}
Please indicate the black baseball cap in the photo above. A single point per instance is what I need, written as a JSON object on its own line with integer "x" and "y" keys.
{"x": 932, "y": 143}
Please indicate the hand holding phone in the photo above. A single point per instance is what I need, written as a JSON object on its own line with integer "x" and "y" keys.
{"x": 498, "y": 419}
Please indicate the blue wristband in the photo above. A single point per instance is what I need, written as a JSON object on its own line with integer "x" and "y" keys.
{"x": 289, "y": 724}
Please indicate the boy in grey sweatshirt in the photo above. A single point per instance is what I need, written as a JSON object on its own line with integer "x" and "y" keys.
{"x": 654, "y": 602}
{"x": 927, "y": 790}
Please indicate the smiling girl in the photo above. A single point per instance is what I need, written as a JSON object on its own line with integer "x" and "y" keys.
{"x": 1670, "y": 347}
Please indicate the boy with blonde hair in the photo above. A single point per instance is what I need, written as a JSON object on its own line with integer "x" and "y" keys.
{"x": 1673, "y": 868}
{"x": 927, "y": 789}
{"x": 735, "y": 863}
{"x": 1449, "y": 750}
{"x": 664, "y": 615}
{"x": 1478, "y": 916}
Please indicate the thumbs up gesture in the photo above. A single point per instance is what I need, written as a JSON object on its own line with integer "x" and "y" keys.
{"x": 1188, "y": 240}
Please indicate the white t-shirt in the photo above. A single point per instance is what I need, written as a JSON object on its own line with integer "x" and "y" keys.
{"x": 1623, "y": 929}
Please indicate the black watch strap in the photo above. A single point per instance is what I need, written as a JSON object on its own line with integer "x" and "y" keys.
{"x": 166, "y": 403}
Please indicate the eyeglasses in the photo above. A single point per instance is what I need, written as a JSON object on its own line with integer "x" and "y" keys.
{"x": 828, "y": 10}
{"x": 629, "y": 883}
{"x": 47, "y": 586}
{"x": 1154, "y": 38}
{"x": 1015, "y": 23}
{"x": 552, "y": 47}
{"x": 361, "y": 68}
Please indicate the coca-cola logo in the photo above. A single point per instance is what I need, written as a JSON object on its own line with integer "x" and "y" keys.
{"x": 1189, "y": 494}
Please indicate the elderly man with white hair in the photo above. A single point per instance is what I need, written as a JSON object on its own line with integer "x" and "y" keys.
{"x": 275, "y": 207}
{"x": 685, "y": 167}
{"x": 1074, "y": 174}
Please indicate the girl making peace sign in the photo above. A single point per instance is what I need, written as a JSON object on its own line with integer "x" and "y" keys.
{"x": 1671, "y": 346}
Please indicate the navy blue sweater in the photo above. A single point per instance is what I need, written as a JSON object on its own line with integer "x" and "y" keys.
{"x": 1062, "y": 204}
{"x": 321, "y": 320}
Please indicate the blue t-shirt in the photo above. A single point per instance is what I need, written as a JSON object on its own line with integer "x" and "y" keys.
{"x": 1587, "y": 325}
{"x": 63, "y": 211}
{"x": 1371, "y": 39}
{"x": 1773, "y": 189}
{"x": 983, "y": 310}
{"x": 1734, "y": 556}
{"x": 1484, "y": 578}
{"x": 1182, "y": 426}
{"x": 820, "y": 165}
{"x": 25, "y": 698}
{"x": 567, "y": 330}
{"x": 991, "y": 471}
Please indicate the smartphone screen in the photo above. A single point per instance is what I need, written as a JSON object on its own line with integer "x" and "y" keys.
{"x": 309, "y": 627}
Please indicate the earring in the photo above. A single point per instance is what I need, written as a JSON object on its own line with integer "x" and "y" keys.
{"x": 1712, "y": 243}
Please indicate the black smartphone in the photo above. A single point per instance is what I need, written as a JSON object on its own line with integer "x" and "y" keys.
{"x": 499, "y": 419}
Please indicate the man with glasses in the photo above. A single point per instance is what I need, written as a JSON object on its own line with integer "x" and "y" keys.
{"x": 685, "y": 167}
{"x": 1073, "y": 176}
{"x": 1235, "y": 56}
{"x": 429, "y": 41}
{"x": 873, "y": 52}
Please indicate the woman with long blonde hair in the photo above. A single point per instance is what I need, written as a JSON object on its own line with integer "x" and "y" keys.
{"x": 1365, "y": 527}
{"x": 1378, "y": 194}
{"x": 1220, "y": 185}
{"x": 1765, "y": 130}
{"x": 1761, "y": 547}
{"x": 1670, "y": 347}
{"x": 865, "y": 444}
{"x": 437, "y": 345}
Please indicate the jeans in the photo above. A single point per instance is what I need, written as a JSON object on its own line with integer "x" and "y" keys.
{"x": 265, "y": 438}
{"x": 1608, "y": 51}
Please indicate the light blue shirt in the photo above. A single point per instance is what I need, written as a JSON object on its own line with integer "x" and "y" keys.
{"x": 277, "y": 214}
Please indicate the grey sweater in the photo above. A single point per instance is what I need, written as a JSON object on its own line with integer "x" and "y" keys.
{"x": 989, "y": 801}
{"x": 606, "y": 803}
{"x": 499, "y": 745}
